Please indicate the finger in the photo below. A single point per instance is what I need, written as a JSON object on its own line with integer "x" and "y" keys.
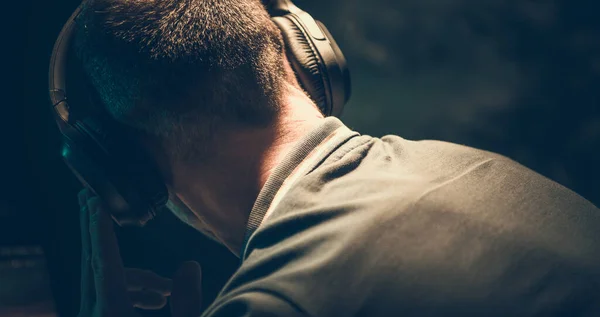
{"x": 107, "y": 265}
{"x": 88, "y": 291}
{"x": 186, "y": 298}
{"x": 147, "y": 300}
{"x": 138, "y": 280}
{"x": 83, "y": 196}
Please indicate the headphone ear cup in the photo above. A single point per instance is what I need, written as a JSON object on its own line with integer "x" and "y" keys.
{"x": 106, "y": 158}
{"x": 341, "y": 87}
{"x": 116, "y": 169}
{"x": 305, "y": 61}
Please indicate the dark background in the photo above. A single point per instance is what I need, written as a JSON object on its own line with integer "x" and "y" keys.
{"x": 516, "y": 77}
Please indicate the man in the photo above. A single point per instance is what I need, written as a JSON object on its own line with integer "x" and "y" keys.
{"x": 326, "y": 222}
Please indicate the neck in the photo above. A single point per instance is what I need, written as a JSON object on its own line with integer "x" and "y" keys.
{"x": 221, "y": 191}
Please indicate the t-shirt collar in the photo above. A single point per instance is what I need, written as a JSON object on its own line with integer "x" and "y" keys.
{"x": 310, "y": 151}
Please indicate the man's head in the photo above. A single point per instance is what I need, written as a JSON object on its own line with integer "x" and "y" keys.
{"x": 179, "y": 69}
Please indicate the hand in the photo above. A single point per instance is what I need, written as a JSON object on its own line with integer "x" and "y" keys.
{"x": 108, "y": 289}
{"x": 103, "y": 285}
{"x": 147, "y": 290}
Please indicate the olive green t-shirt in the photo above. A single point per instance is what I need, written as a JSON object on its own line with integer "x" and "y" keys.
{"x": 352, "y": 225}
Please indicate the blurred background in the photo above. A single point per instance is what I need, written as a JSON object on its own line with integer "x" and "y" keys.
{"x": 517, "y": 77}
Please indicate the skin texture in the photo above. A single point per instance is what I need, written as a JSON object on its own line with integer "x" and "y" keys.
{"x": 208, "y": 89}
{"x": 151, "y": 62}
{"x": 214, "y": 193}
{"x": 217, "y": 194}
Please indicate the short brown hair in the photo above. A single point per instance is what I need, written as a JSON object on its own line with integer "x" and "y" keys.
{"x": 174, "y": 68}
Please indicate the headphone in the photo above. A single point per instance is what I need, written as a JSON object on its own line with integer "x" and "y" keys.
{"x": 97, "y": 150}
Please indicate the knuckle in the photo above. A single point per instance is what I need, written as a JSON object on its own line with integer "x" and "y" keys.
{"x": 95, "y": 206}
{"x": 82, "y": 197}
{"x": 99, "y": 267}
{"x": 94, "y": 203}
{"x": 95, "y": 217}
{"x": 94, "y": 222}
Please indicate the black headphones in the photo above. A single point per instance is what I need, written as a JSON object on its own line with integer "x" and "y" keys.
{"x": 119, "y": 171}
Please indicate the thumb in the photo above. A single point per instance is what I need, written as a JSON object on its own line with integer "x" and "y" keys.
{"x": 186, "y": 296}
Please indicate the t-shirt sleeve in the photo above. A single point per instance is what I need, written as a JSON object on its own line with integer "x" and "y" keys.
{"x": 254, "y": 304}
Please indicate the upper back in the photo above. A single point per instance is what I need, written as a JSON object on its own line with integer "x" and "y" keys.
{"x": 426, "y": 228}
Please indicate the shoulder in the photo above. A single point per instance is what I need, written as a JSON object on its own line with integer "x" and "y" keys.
{"x": 370, "y": 178}
{"x": 429, "y": 166}
{"x": 389, "y": 215}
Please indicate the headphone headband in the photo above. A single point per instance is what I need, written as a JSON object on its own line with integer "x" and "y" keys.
{"x": 57, "y": 83}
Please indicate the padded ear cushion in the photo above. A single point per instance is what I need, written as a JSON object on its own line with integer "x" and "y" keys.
{"x": 117, "y": 169}
{"x": 341, "y": 87}
{"x": 305, "y": 61}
